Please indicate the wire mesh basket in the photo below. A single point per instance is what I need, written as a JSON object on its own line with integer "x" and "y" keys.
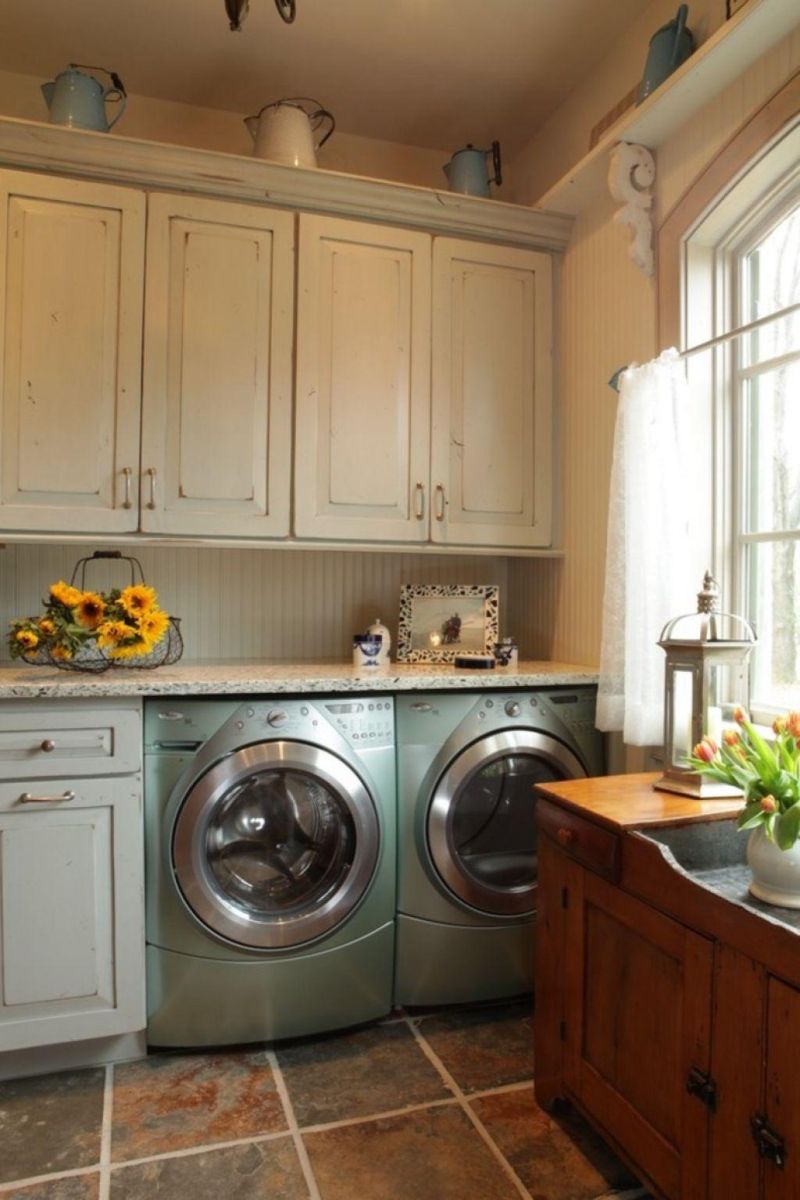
{"x": 90, "y": 656}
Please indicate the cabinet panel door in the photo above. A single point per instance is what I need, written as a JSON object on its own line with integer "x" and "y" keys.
{"x": 71, "y": 912}
{"x": 71, "y": 258}
{"x": 216, "y": 428}
{"x": 638, "y": 1019}
{"x": 491, "y": 464}
{"x": 782, "y": 1091}
{"x": 363, "y": 381}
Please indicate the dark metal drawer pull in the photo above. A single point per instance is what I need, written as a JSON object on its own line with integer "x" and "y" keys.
{"x": 700, "y": 1084}
{"x": 770, "y": 1143}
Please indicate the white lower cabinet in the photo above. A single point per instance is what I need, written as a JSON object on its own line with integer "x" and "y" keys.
{"x": 71, "y": 908}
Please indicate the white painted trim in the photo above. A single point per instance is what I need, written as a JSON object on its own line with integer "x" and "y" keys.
{"x": 39, "y": 146}
{"x": 730, "y": 50}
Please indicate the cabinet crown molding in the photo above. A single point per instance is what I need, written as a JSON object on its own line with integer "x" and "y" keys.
{"x": 39, "y": 146}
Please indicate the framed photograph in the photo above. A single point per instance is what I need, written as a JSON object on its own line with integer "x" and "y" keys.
{"x": 440, "y": 620}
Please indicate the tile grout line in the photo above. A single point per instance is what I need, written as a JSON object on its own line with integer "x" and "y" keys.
{"x": 206, "y": 1148}
{"x": 105, "y": 1134}
{"x": 378, "y": 1116}
{"x": 13, "y": 1184}
{"x": 480, "y": 1128}
{"x": 294, "y": 1129}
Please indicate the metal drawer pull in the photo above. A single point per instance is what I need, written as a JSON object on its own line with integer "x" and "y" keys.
{"x": 151, "y": 471}
{"x": 700, "y": 1084}
{"x": 769, "y": 1142}
{"x": 566, "y": 836}
{"x": 419, "y": 501}
{"x": 170, "y": 714}
{"x": 27, "y": 798}
{"x": 127, "y": 473}
{"x": 48, "y": 745}
{"x": 440, "y": 502}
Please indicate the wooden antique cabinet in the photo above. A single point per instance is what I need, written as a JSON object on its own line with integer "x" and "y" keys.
{"x": 667, "y": 1001}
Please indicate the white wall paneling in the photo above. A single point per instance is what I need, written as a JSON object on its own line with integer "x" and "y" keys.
{"x": 257, "y": 604}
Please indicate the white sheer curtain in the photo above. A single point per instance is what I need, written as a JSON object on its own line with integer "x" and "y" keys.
{"x": 654, "y": 550}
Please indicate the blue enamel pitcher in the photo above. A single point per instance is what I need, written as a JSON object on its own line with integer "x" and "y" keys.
{"x": 79, "y": 100}
{"x": 466, "y": 172}
{"x": 669, "y": 47}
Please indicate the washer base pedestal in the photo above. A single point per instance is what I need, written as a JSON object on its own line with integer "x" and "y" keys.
{"x": 455, "y": 964}
{"x": 196, "y": 1001}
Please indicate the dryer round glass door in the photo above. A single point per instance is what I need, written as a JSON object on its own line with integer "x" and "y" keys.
{"x": 481, "y": 823}
{"x": 275, "y": 845}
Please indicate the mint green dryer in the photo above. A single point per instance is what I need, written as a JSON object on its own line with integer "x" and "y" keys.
{"x": 270, "y": 843}
{"x": 466, "y": 767}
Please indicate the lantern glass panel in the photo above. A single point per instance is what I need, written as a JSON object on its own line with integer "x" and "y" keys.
{"x": 682, "y": 704}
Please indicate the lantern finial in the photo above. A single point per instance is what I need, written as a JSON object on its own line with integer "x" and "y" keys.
{"x": 708, "y": 598}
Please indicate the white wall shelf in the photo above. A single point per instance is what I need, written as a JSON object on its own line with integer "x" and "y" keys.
{"x": 39, "y": 146}
{"x": 729, "y": 51}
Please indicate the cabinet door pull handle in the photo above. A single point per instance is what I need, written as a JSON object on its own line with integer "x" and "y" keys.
{"x": 700, "y": 1084}
{"x": 48, "y": 745}
{"x": 27, "y": 798}
{"x": 419, "y": 501}
{"x": 151, "y": 471}
{"x": 769, "y": 1142}
{"x": 440, "y": 502}
{"x": 565, "y": 836}
{"x": 127, "y": 472}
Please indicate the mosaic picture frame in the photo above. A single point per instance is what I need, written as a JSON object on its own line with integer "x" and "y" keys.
{"x": 440, "y": 620}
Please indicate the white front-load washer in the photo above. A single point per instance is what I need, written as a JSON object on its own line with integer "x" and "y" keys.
{"x": 467, "y": 764}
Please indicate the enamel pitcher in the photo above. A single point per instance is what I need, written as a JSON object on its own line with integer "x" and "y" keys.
{"x": 79, "y": 100}
{"x": 669, "y": 47}
{"x": 286, "y": 130}
{"x": 466, "y": 172}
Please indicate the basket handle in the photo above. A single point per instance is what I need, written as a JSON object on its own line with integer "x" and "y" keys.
{"x": 114, "y": 555}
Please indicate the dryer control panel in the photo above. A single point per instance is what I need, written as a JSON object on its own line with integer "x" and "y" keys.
{"x": 366, "y": 721}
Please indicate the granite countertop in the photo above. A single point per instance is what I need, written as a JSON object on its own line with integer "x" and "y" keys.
{"x": 238, "y": 677}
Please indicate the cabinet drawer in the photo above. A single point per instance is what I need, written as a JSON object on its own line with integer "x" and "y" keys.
{"x": 594, "y": 847}
{"x": 47, "y": 740}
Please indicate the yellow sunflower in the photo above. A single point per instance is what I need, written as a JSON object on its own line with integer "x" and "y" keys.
{"x": 27, "y": 639}
{"x": 153, "y": 626}
{"x": 62, "y": 653}
{"x": 138, "y": 599}
{"x": 65, "y": 594}
{"x": 134, "y": 650}
{"x": 46, "y": 626}
{"x": 111, "y": 633}
{"x": 90, "y": 610}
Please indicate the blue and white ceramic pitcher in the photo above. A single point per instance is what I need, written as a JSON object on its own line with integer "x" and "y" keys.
{"x": 79, "y": 100}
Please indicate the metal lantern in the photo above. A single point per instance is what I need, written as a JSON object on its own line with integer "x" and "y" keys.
{"x": 706, "y": 679}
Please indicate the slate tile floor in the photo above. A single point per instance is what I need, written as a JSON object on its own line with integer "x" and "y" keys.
{"x": 434, "y": 1106}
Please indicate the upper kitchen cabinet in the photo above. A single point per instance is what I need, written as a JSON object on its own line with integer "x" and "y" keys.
{"x": 363, "y": 382}
{"x": 491, "y": 462}
{"x": 71, "y": 262}
{"x": 381, "y": 455}
{"x": 216, "y": 420}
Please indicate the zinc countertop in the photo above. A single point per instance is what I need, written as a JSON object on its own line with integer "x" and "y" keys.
{"x": 237, "y": 677}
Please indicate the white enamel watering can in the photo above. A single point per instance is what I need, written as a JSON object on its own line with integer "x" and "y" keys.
{"x": 285, "y": 131}
{"x": 79, "y": 100}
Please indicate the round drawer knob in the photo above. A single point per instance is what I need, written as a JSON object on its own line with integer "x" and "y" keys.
{"x": 48, "y": 745}
{"x": 566, "y": 836}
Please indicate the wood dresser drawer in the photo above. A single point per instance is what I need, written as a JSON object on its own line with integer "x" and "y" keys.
{"x": 592, "y": 845}
{"x": 51, "y": 739}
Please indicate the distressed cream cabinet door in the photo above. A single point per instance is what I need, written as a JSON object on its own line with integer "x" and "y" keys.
{"x": 72, "y": 932}
{"x": 363, "y": 382}
{"x": 216, "y": 418}
{"x": 491, "y": 436}
{"x": 71, "y": 262}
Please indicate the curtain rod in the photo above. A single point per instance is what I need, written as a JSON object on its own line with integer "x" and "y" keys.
{"x": 721, "y": 339}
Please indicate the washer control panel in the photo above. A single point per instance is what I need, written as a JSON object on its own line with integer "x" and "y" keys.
{"x": 366, "y": 721}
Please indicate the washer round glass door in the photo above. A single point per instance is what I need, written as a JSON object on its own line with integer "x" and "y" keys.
{"x": 275, "y": 845}
{"x": 481, "y": 819}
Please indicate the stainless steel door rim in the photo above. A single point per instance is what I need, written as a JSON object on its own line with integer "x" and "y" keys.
{"x": 507, "y": 901}
{"x": 200, "y": 888}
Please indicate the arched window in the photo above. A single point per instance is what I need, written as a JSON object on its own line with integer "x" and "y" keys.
{"x": 733, "y": 242}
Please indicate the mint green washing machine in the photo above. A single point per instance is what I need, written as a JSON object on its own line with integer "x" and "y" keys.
{"x": 270, "y": 856}
{"x": 466, "y": 767}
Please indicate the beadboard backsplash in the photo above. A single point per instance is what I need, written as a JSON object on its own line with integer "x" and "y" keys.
{"x": 256, "y": 604}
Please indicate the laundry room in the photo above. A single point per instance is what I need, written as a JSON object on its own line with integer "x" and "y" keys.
{"x": 399, "y": 577}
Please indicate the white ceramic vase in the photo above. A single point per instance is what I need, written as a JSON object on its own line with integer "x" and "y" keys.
{"x": 776, "y": 872}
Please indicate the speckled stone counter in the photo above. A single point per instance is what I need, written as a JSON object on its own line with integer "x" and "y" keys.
{"x": 240, "y": 678}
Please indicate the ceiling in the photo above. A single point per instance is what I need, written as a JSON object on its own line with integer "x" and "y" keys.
{"x": 434, "y": 73}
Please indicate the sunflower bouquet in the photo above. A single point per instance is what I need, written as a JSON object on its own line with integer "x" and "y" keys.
{"x": 89, "y": 630}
